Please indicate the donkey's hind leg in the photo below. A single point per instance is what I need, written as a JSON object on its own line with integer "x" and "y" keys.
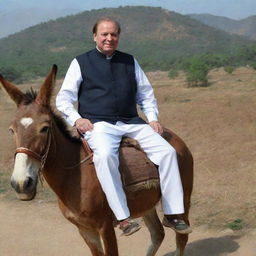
{"x": 92, "y": 239}
{"x": 156, "y": 231}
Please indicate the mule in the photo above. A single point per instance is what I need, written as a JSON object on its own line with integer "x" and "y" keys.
{"x": 45, "y": 145}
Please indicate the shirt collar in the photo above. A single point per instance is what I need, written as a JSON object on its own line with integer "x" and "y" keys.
{"x": 107, "y": 57}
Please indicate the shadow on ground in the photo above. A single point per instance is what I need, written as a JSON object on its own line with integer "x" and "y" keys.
{"x": 211, "y": 246}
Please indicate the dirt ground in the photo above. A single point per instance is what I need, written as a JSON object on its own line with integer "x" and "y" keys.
{"x": 219, "y": 126}
{"x": 38, "y": 228}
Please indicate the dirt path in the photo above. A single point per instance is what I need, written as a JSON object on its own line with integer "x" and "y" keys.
{"x": 38, "y": 228}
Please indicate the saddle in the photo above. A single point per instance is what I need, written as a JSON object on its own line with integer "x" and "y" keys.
{"x": 137, "y": 171}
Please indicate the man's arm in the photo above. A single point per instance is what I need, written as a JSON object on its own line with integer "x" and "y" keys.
{"x": 68, "y": 95}
{"x": 146, "y": 98}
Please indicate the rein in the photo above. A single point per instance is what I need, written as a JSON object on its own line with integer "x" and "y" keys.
{"x": 81, "y": 162}
{"x": 87, "y": 149}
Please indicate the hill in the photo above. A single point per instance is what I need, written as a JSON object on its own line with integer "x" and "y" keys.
{"x": 157, "y": 37}
{"x": 244, "y": 27}
{"x": 19, "y": 14}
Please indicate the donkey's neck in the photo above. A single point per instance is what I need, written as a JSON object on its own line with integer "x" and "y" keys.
{"x": 62, "y": 167}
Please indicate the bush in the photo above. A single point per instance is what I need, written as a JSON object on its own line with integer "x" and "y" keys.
{"x": 215, "y": 60}
{"x": 236, "y": 224}
{"x": 229, "y": 69}
{"x": 253, "y": 65}
{"x": 173, "y": 73}
{"x": 11, "y": 74}
{"x": 197, "y": 72}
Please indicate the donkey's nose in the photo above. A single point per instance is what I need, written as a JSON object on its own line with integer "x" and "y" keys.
{"x": 22, "y": 187}
{"x": 28, "y": 183}
{"x": 15, "y": 185}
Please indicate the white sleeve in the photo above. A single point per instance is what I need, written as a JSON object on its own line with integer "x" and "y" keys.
{"x": 68, "y": 93}
{"x": 145, "y": 97}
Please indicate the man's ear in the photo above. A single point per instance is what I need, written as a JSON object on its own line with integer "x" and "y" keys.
{"x": 94, "y": 37}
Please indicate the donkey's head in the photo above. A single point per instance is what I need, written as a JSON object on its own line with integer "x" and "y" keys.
{"x": 31, "y": 130}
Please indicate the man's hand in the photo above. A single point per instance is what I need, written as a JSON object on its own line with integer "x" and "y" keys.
{"x": 156, "y": 126}
{"x": 83, "y": 125}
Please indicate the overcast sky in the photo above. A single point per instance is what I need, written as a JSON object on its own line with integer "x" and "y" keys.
{"x": 236, "y": 9}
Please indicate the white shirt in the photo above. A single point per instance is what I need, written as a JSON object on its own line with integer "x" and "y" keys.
{"x": 68, "y": 94}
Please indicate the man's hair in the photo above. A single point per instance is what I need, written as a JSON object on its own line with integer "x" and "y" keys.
{"x": 95, "y": 27}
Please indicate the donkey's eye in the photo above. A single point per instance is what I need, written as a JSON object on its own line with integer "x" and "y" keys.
{"x": 44, "y": 129}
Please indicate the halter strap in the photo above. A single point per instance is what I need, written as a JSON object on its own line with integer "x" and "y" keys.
{"x": 33, "y": 154}
{"x": 28, "y": 152}
{"x": 42, "y": 158}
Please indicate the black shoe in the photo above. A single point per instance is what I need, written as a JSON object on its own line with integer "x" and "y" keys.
{"x": 177, "y": 225}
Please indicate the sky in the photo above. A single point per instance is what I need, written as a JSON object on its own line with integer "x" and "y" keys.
{"x": 235, "y": 9}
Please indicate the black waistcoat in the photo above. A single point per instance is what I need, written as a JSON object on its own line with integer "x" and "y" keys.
{"x": 108, "y": 90}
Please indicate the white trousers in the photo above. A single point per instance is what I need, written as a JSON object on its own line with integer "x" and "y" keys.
{"x": 105, "y": 139}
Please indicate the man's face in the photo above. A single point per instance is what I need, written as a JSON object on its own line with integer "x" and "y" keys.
{"x": 106, "y": 37}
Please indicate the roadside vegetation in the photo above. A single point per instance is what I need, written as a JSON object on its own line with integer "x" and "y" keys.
{"x": 197, "y": 67}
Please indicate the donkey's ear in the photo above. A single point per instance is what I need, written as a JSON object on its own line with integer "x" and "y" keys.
{"x": 15, "y": 94}
{"x": 45, "y": 93}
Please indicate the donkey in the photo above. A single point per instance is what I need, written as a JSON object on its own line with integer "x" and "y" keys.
{"x": 45, "y": 146}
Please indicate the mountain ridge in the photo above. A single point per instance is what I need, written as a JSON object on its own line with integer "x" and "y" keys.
{"x": 157, "y": 37}
{"x": 243, "y": 27}
{"x": 17, "y": 10}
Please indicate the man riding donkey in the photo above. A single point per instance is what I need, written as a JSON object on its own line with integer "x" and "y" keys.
{"x": 107, "y": 85}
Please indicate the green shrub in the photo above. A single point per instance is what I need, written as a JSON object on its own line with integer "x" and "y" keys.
{"x": 229, "y": 69}
{"x": 197, "y": 72}
{"x": 173, "y": 73}
{"x": 11, "y": 74}
{"x": 236, "y": 224}
{"x": 215, "y": 60}
{"x": 253, "y": 65}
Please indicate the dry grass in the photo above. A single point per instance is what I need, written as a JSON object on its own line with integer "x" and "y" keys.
{"x": 218, "y": 124}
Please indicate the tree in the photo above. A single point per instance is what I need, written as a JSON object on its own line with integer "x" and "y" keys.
{"x": 197, "y": 72}
{"x": 11, "y": 74}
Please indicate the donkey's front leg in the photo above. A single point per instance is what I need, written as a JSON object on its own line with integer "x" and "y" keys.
{"x": 108, "y": 236}
{"x": 92, "y": 239}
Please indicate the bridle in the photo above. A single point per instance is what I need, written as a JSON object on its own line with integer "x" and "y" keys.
{"x": 29, "y": 152}
{"x": 42, "y": 157}
{"x": 39, "y": 157}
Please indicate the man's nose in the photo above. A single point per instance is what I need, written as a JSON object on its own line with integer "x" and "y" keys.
{"x": 109, "y": 37}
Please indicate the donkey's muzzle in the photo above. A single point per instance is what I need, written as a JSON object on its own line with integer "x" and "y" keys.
{"x": 26, "y": 189}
